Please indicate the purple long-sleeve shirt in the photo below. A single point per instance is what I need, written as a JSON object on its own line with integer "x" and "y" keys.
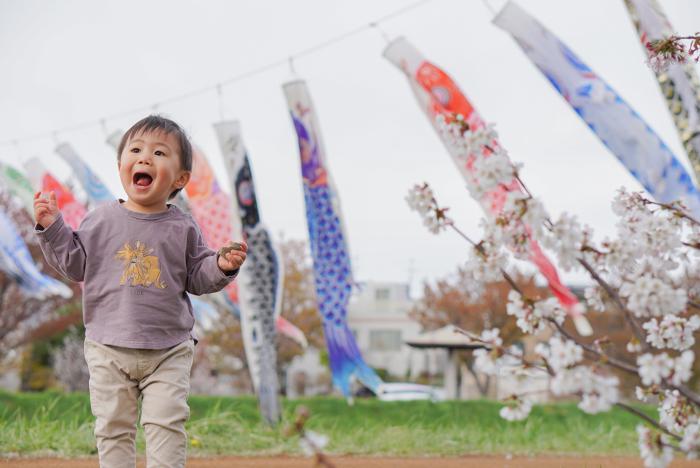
{"x": 137, "y": 269}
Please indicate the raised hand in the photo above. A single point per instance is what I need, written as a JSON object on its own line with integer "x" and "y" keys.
{"x": 45, "y": 210}
{"x": 232, "y": 256}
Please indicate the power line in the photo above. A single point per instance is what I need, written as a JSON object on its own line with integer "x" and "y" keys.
{"x": 217, "y": 87}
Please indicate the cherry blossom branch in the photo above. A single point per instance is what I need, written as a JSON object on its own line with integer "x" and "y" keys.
{"x": 480, "y": 249}
{"x": 674, "y": 447}
{"x": 489, "y": 346}
{"x": 523, "y": 186}
{"x": 604, "y": 358}
{"x": 650, "y": 294}
{"x": 671, "y": 207}
{"x": 686, "y": 392}
{"x": 648, "y": 419}
{"x": 637, "y": 330}
{"x": 615, "y": 297}
{"x": 692, "y": 38}
{"x": 627, "y": 367}
{"x": 663, "y": 52}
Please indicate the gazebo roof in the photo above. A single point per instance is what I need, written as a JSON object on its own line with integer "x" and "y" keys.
{"x": 445, "y": 337}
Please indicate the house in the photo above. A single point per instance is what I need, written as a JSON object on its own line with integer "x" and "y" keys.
{"x": 378, "y": 316}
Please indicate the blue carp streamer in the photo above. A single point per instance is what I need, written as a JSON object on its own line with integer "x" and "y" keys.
{"x": 615, "y": 123}
{"x": 332, "y": 270}
{"x": 17, "y": 263}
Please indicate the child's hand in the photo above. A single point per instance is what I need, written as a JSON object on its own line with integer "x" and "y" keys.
{"x": 232, "y": 256}
{"x": 45, "y": 210}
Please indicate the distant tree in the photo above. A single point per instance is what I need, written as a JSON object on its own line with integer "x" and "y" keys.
{"x": 298, "y": 303}
{"x": 22, "y": 318}
{"x": 447, "y": 302}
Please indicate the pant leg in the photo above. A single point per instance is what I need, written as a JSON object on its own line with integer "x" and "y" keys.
{"x": 164, "y": 408}
{"x": 114, "y": 403}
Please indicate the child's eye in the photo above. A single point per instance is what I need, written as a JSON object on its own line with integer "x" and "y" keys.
{"x": 135, "y": 150}
{"x": 159, "y": 153}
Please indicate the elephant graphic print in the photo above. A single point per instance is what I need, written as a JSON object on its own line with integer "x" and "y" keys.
{"x": 140, "y": 267}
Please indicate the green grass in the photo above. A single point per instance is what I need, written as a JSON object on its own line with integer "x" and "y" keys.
{"x": 61, "y": 424}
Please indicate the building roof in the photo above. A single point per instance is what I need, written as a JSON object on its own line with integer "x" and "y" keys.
{"x": 445, "y": 337}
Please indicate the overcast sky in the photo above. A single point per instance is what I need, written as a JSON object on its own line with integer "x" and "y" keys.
{"x": 73, "y": 61}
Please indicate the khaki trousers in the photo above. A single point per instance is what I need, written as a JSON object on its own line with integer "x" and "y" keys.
{"x": 161, "y": 378}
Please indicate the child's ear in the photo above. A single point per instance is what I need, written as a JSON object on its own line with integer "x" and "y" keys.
{"x": 182, "y": 180}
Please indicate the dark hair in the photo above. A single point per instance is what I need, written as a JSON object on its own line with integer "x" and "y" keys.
{"x": 155, "y": 123}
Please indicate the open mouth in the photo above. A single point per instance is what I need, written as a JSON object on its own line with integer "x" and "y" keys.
{"x": 142, "y": 179}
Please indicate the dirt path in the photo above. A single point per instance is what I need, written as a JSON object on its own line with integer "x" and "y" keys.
{"x": 370, "y": 462}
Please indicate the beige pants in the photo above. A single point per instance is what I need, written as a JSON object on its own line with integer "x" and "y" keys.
{"x": 161, "y": 378}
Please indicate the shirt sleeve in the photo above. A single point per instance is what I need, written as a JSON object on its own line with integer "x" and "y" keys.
{"x": 203, "y": 273}
{"x": 63, "y": 249}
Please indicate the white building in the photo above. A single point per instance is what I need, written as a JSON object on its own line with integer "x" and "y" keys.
{"x": 378, "y": 316}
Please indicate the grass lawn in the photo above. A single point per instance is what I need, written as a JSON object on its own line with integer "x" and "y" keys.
{"x": 61, "y": 424}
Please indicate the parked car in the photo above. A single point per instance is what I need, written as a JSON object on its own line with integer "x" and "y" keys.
{"x": 400, "y": 391}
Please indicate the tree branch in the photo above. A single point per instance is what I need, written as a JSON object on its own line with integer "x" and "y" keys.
{"x": 680, "y": 213}
{"x": 478, "y": 247}
{"x": 636, "y": 329}
{"x": 686, "y": 392}
{"x": 645, "y": 417}
{"x": 614, "y": 362}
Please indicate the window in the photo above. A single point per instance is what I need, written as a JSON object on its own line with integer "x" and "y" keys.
{"x": 385, "y": 340}
{"x": 381, "y": 294}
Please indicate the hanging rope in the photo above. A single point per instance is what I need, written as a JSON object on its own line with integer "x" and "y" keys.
{"x": 227, "y": 82}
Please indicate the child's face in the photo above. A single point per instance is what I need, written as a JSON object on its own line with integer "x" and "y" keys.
{"x": 150, "y": 169}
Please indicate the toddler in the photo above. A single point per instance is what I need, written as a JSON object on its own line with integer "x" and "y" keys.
{"x": 138, "y": 259}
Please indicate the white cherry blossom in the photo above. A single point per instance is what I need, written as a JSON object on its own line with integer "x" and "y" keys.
{"x": 675, "y": 413}
{"x": 532, "y": 316}
{"x": 491, "y": 171}
{"x": 653, "y": 448}
{"x": 566, "y": 239}
{"x": 491, "y": 337}
{"x": 517, "y": 409}
{"x": 683, "y": 368}
{"x": 691, "y": 438}
{"x": 641, "y": 394}
{"x": 421, "y": 199}
{"x": 648, "y": 296}
{"x": 559, "y": 353}
{"x": 672, "y": 332}
{"x": 654, "y": 368}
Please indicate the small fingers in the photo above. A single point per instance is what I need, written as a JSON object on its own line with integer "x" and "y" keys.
{"x": 236, "y": 257}
{"x": 40, "y": 203}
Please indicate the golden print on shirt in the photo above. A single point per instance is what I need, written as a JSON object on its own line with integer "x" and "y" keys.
{"x": 140, "y": 268}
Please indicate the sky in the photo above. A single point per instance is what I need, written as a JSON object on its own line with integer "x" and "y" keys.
{"x": 77, "y": 61}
